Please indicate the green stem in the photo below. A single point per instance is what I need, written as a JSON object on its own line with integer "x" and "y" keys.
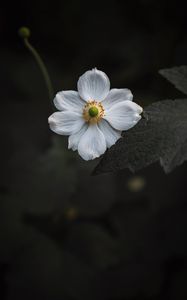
{"x": 42, "y": 67}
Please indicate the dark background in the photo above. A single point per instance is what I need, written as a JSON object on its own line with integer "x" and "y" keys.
{"x": 65, "y": 234}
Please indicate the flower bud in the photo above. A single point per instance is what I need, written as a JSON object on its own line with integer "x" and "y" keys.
{"x": 24, "y": 32}
{"x": 136, "y": 183}
{"x": 71, "y": 214}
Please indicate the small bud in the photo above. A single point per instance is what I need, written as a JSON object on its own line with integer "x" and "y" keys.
{"x": 24, "y": 32}
{"x": 136, "y": 184}
{"x": 71, "y": 214}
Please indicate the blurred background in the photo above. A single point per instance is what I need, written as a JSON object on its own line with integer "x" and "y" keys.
{"x": 65, "y": 234}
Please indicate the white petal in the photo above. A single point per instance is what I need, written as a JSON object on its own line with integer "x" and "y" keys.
{"x": 65, "y": 122}
{"x": 111, "y": 134}
{"x": 93, "y": 85}
{"x": 116, "y": 96}
{"x": 92, "y": 144}
{"x": 68, "y": 100}
{"x": 124, "y": 115}
{"x": 74, "y": 139}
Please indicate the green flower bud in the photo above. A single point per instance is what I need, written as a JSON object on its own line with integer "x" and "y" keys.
{"x": 24, "y": 32}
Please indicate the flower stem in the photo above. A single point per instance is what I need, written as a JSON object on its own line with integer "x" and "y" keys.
{"x": 25, "y": 35}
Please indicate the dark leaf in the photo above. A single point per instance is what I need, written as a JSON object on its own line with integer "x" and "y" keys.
{"x": 177, "y": 76}
{"x": 90, "y": 241}
{"x": 161, "y": 135}
{"x": 93, "y": 245}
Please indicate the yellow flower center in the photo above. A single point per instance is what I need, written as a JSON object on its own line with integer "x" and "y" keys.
{"x": 93, "y": 112}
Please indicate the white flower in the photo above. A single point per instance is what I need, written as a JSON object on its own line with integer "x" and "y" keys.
{"x": 95, "y": 116}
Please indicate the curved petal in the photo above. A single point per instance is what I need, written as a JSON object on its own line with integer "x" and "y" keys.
{"x": 65, "y": 122}
{"x": 93, "y": 85}
{"x": 111, "y": 134}
{"x": 116, "y": 96}
{"x": 124, "y": 115}
{"x": 68, "y": 100}
{"x": 74, "y": 139}
{"x": 92, "y": 144}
